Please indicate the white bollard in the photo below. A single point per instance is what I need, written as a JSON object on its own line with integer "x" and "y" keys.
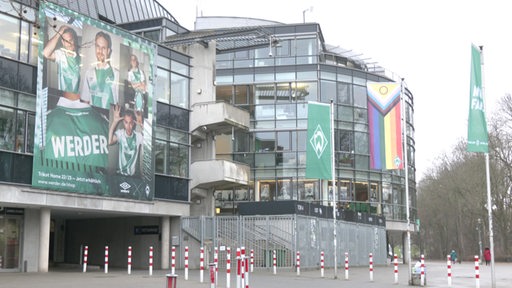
{"x": 150, "y": 260}
{"x": 395, "y": 263}
{"x": 322, "y": 264}
{"x": 228, "y": 267}
{"x": 106, "y": 259}
{"x": 86, "y": 251}
{"x": 477, "y": 272}
{"x": 370, "y": 256}
{"x": 173, "y": 260}
{"x": 186, "y": 263}
{"x": 298, "y": 263}
{"x": 346, "y": 265}
{"x": 274, "y": 261}
{"x": 252, "y": 260}
{"x": 201, "y": 264}
{"x": 129, "y": 260}
{"x": 449, "y": 265}
{"x": 422, "y": 270}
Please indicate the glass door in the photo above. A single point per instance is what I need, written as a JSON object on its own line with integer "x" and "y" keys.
{"x": 10, "y": 228}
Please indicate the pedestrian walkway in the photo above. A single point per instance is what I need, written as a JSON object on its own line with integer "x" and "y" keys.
{"x": 463, "y": 275}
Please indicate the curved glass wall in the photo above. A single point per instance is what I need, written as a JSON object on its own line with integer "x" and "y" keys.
{"x": 275, "y": 147}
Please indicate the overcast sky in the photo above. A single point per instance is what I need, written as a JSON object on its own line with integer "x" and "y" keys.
{"x": 426, "y": 42}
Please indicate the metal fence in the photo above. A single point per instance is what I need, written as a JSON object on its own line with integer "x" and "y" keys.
{"x": 287, "y": 234}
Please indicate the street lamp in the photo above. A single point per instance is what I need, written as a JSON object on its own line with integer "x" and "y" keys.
{"x": 310, "y": 9}
{"x": 478, "y": 228}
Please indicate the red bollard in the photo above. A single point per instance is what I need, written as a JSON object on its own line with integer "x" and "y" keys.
{"x": 171, "y": 280}
{"x": 212, "y": 275}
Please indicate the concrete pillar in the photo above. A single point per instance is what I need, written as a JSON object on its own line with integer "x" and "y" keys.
{"x": 405, "y": 247}
{"x": 44, "y": 239}
{"x": 166, "y": 240}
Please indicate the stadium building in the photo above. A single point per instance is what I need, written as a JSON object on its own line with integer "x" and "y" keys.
{"x": 218, "y": 120}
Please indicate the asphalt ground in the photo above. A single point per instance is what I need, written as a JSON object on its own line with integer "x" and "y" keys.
{"x": 463, "y": 275}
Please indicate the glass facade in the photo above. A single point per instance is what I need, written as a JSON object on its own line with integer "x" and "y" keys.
{"x": 275, "y": 88}
{"x": 18, "y": 64}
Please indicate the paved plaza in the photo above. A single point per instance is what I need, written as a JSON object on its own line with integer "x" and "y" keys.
{"x": 463, "y": 275}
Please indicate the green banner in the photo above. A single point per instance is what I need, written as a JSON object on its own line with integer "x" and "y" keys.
{"x": 319, "y": 149}
{"x": 94, "y": 118}
{"x": 477, "y": 125}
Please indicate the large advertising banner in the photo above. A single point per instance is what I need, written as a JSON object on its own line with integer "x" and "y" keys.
{"x": 94, "y": 107}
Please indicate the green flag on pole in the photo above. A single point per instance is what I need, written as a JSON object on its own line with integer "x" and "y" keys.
{"x": 477, "y": 125}
{"x": 318, "y": 146}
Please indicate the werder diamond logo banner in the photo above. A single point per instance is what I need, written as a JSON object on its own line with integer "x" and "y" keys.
{"x": 319, "y": 149}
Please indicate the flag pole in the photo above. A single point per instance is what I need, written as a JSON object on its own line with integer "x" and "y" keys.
{"x": 334, "y": 190}
{"x": 406, "y": 166}
{"x": 488, "y": 180}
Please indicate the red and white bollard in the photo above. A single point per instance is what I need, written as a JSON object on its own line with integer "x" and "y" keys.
{"x": 322, "y": 264}
{"x": 395, "y": 263}
{"x": 477, "y": 271}
{"x": 129, "y": 260}
{"x": 86, "y": 251}
{"x": 201, "y": 264}
{"x": 422, "y": 270}
{"x": 238, "y": 268}
{"x": 298, "y": 263}
{"x": 173, "y": 260}
{"x": 216, "y": 262}
{"x": 212, "y": 276}
{"x": 242, "y": 268}
{"x": 150, "y": 260}
{"x": 449, "y": 265}
{"x": 106, "y": 259}
{"x": 370, "y": 256}
{"x": 186, "y": 263}
{"x": 274, "y": 261}
{"x": 252, "y": 260}
{"x": 228, "y": 267}
{"x": 246, "y": 267}
{"x": 346, "y": 265}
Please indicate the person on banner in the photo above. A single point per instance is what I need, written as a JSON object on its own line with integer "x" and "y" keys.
{"x": 64, "y": 49}
{"x": 129, "y": 140}
{"x": 137, "y": 80}
{"x": 100, "y": 86}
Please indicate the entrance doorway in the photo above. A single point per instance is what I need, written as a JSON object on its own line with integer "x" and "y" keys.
{"x": 10, "y": 236}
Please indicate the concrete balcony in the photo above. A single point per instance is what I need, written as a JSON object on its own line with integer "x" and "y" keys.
{"x": 218, "y": 174}
{"x": 217, "y": 117}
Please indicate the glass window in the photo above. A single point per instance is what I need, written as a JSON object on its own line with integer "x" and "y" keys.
{"x": 362, "y": 142}
{"x": 224, "y": 93}
{"x": 327, "y": 91}
{"x": 360, "y": 115}
{"x": 344, "y": 93}
{"x": 179, "y": 136}
{"x": 164, "y": 62}
{"x": 26, "y": 101}
{"x": 179, "y": 90}
{"x": 19, "y": 141}
{"x": 179, "y": 118}
{"x": 10, "y": 37}
{"x": 300, "y": 145}
{"x": 283, "y": 92}
{"x": 263, "y": 112}
{"x": 345, "y": 113}
{"x": 264, "y": 94}
{"x": 179, "y": 68}
{"x": 306, "y": 91}
{"x": 161, "y": 153}
{"x": 163, "y": 86}
{"x": 346, "y": 141}
{"x": 178, "y": 161}
{"x": 306, "y": 47}
{"x": 7, "y": 128}
{"x": 265, "y": 141}
{"x": 286, "y": 111}
{"x": 283, "y": 141}
{"x": 7, "y": 97}
{"x": 163, "y": 114}
{"x": 31, "y": 125}
{"x": 360, "y": 96}
{"x": 265, "y": 77}
{"x": 9, "y": 75}
{"x": 242, "y": 93}
{"x": 26, "y": 78}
